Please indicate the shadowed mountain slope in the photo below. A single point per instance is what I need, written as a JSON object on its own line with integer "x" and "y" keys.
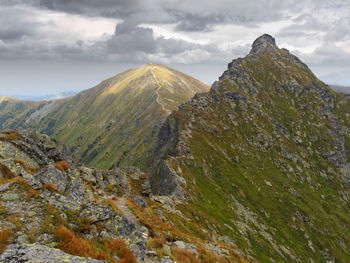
{"x": 263, "y": 158}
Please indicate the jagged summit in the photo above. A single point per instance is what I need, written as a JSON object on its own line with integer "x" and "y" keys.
{"x": 262, "y": 42}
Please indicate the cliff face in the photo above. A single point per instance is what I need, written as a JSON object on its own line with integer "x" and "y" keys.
{"x": 263, "y": 158}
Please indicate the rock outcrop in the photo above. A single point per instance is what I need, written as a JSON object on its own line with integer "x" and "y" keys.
{"x": 39, "y": 253}
{"x": 41, "y": 163}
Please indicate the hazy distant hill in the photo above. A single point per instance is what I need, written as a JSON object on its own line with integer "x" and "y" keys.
{"x": 115, "y": 122}
{"x": 46, "y": 97}
{"x": 341, "y": 88}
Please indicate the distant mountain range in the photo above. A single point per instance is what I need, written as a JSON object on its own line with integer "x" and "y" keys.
{"x": 343, "y": 89}
{"x": 57, "y": 96}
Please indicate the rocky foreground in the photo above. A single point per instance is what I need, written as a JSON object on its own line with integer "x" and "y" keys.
{"x": 54, "y": 211}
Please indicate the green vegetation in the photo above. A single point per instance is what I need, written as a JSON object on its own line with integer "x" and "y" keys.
{"x": 263, "y": 179}
{"x": 116, "y": 121}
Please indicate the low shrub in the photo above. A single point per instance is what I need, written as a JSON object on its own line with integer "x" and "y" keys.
{"x": 83, "y": 225}
{"x": 51, "y": 219}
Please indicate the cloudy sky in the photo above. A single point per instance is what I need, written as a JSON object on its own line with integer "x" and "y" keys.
{"x": 52, "y": 46}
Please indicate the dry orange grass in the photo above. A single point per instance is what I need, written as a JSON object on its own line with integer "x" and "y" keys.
{"x": 71, "y": 244}
{"x": 184, "y": 256}
{"x": 119, "y": 246}
{"x": 154, "y": 224}
{"x": 4, "y": 239}
{"x": 12, "y": 180}
{"x": 156, "y": 242}
{"x": 49, "y": 186}
{"x": 143, "y": 176}
{"x": 62, "y": 166}
{"x": 10, "y": 135}
{"x": 6, "y": 172}
{"x": 111, "y": 203}
{"x": 26, "y": 167}
{"x": 32, "y": 193}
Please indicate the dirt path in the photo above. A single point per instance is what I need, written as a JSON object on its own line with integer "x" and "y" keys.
{"x": 157, "y": 92}
{"x": 122, "y": 206}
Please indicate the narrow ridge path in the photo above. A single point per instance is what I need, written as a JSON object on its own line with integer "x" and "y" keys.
{"x": 122, "y": 206}
{"x": 157, "y": 92}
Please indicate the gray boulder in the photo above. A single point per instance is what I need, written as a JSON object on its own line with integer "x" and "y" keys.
{"x": 38, "y": 253}
{"x": 51, "y": 174}
{"x": 139, "y": 200}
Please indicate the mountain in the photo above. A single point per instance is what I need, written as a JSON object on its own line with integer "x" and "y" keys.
{"x": 263, "y": 160}
{"x": 54, "y": 211}
{"x": 341, "y": 88}
{"x": 57, "y": 96}
{"x": 114, "y": 123}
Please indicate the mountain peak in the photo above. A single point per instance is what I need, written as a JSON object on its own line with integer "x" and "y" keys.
{"x": 5, "y": 98}
{"x": 152, "y": 65}
{"x": 262, "y": 42}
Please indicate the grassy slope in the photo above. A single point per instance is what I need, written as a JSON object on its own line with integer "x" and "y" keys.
{"x": 118, "y": 119}
{"x": 243, "y": 186}
{"x": 14, "y": 112}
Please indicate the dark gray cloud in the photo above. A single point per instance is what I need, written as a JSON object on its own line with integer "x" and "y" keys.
{"x": 195, "y": 15}
{"x": 110, "y": 8}
{"x": 16, "y": 24}
{"x": 131, "y": 39}
{"x": 195, "y": 31}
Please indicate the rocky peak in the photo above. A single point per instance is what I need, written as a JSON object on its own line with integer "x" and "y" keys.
{"x": 262, "y": 43}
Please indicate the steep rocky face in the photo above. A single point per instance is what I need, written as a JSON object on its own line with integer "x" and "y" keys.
{"x": 114, "y": 123}
{"x": 263, "y": 158}
{"x": 54, "y": 211}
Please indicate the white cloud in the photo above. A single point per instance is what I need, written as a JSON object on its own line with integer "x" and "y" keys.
{"x": 172, "y": 31}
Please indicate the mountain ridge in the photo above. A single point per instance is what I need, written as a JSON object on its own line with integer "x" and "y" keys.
{"x": 116, "y": 120}
{"x": 263, "y": 158}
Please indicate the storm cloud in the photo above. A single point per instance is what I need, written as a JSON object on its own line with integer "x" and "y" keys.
{"x": 175, "y": 32}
